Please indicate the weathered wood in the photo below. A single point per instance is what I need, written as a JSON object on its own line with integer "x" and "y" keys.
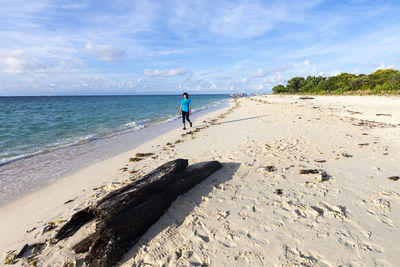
{"x": 84, "y": 216}
{"x": 124, "y": 215}
{"x": 77, "y": 221}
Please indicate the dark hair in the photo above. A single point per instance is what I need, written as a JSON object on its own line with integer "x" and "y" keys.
{"x": 187, "y": 95}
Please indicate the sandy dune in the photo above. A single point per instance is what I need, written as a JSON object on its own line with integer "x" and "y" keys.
{"x": 258, "y": 210}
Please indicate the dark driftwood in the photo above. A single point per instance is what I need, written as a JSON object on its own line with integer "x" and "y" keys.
{"x": 124, "y": 215}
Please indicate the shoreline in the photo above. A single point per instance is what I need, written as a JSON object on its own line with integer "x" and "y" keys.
{"x": 261, "y": 208}
{"x": 90, "y": 138}
{"x": 395, "y": 95}
{"x": 108, "y": 170}
{"x": 72, "y": 158}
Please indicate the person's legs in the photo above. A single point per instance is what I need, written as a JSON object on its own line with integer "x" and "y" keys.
{"x": 183, "y": 119}
{"x": 187, "y": 118}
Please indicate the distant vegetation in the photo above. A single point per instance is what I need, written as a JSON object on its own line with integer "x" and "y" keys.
{"x": 385, "y": 81}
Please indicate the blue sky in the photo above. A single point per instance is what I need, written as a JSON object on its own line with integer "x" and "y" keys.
{"x": 125, "y": 47}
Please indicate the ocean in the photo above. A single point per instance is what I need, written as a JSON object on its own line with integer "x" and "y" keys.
{"x": 43, "y": 138}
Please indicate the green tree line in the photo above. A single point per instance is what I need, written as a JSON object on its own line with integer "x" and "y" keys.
{"x": 386, "y": 81}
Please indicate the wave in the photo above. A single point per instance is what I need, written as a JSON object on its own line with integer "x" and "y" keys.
{"x": 50, "y": 148}
{"x": 128, "y": 127}
{"x": 172, "y": 118}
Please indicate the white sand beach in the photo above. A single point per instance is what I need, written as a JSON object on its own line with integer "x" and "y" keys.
{"x": 258, "y": 210}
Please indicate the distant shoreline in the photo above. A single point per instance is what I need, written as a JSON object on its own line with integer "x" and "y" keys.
{"x": 30, "y": 172}
{"x": 303, "y": 181}
{"x": 138, "y": 94}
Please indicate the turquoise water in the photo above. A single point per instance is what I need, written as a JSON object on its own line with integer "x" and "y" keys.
{"x": 43, "y": 139}
{"x": 31, "y": 125}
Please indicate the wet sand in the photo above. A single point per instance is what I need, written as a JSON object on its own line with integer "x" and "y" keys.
{"x": 304, "y": 182}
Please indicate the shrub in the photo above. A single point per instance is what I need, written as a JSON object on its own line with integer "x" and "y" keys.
{"x": 380, "y": 81}
{"x": 279, "y": 89}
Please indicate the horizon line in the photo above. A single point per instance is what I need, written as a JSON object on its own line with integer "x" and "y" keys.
{"x": 139, "y": 94}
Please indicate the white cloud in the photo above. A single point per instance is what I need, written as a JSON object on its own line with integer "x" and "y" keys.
{"x": 197, "y": 88}
{"x": 105, "y": 52}
{"x": 202, "y": 73}
{"x": 213, "y": 85}
{"x": 165, "y": 73}
{"x": 384, "y": 66}
{"x": 238, "y": 19}
{"x": 17, "y": 62}
{"x": 242, "y": 65}
{"x": 97, "y": 78}
{"x": 223, "y": 77}
{"x": 290, "y": 66}
{"x": 276, "y": 78}
{"x": 259, "y": 73}
{"x": 314, "y": 71}
{"x": 71, "y": 63}
{"x": 168, "y": 52}
{"x": 360, "y": 49}
{"x": 330, "y": 73}
{"x": 233, "y": 36}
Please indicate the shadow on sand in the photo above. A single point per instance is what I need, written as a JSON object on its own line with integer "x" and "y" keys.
{"x": 244, "y": 119}
{"x": 182, "y": 207}
{"x": 231, "y": 121}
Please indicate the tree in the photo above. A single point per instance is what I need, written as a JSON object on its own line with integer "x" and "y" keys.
{"x": 380, "y": 81}
{"x": 295, "y": 84}
{"x": 311, "y": 83}
{"x": 279, "y": 89}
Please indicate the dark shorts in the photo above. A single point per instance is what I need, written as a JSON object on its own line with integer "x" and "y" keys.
{"x": 185, "y": 115}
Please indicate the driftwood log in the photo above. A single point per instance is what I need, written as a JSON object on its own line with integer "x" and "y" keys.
{"x": 124, "y": 215}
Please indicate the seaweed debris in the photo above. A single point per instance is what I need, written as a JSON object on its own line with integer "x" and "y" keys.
{"x": 27, "y": 254}
{"x": 363, "y": 144}
{"x": 278, "y": 191}
{"x": 270, "y": 168}
{"x": 52, "y": 225}
{"x": 71, "y": 200}
{"x": 346, "y": 155}
{"x": 144, "y": 155}
{"x": 140, "y": 156}
{"x": 308, "y": 171}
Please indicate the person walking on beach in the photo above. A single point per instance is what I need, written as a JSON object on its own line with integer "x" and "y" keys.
{"x": 186, "y": 109}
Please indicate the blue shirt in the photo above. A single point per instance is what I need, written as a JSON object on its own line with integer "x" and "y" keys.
{"x": 185, "y": 104}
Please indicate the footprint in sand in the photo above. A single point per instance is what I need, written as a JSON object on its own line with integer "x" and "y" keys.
{"x": 323, "y": 210}
{"x": 222, "y": 215}
{"x": 300, "y": 213}
{"x": 295, "y": 257}
{"x": 159, "y": 254}
{"x": 183, "y": 253}
{"x": 203, "y": 237}
{"x": 349, "y": 242}
{"x": 381, "y": 200}
{"x": 386, "y": 220}
{"x": 336, "y": 212}
{"x": 243, "y": 216}
{"x": 317, "y": 211}
{"x": 231, "y": 236}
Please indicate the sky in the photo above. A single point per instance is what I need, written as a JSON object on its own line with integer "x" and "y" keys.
{"x": 91, "y": 47}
